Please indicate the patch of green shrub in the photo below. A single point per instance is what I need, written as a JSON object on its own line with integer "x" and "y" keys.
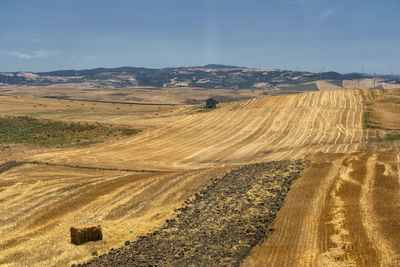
{"x": 29, "y": 130}
{"x": 392, "y": 137}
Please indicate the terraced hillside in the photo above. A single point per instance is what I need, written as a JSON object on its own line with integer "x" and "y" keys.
{"x": 133, "y": 185}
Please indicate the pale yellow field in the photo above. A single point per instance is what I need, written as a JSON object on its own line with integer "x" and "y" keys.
{"x": 187, "y": 149}
{"x": 270, "y": 128}
{"x": 324, "y": 86}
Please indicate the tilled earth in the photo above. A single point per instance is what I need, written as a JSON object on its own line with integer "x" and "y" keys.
{"x": 219, "y": 225}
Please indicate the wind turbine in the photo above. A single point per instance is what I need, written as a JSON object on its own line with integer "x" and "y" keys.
{"x": 320, "y": 73}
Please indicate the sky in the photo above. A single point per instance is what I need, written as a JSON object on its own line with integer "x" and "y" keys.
{"x": 308, "y": 35}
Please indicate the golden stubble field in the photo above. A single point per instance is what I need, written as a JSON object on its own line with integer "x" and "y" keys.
{"x": 138, "y": 94}
{"x": 180, "y": 150}
{"x": 342, "y": 212}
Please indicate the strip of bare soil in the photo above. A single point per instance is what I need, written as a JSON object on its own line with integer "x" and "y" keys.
{"x": 219, "y": 225}
{"x": 11, "y": 164}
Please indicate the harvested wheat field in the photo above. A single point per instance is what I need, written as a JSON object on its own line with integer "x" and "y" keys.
{"x": 265, "y": 129}
{"x": 342, "y": 207}
{"x": 344, "y": 211}
{"x": 41, "y": 202}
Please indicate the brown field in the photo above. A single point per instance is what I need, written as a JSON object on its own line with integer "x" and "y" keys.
{"x": 343, "y": 207}
{"x": 140, "y": 116}
{"x": 142, "y": 94}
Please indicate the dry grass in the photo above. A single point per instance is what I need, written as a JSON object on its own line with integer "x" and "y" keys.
{"x": 381, "y": 118}
{"x": 188, "y": 149}
{"x": 28, "y": 130}
{"x": 42, "y": 202}
{"x": 326, "y": 85}
{"x": 139, "y": 116}
{"x": 141, "y": 94}
{"x": 385, "y": 111}
{"x": 240, "y": 132}
{"x": 340, "y": 213}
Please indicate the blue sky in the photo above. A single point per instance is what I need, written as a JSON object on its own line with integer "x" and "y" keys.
{"x": 341, "y": 35}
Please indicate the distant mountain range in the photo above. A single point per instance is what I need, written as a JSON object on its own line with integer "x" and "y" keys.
{"x": 208, "y": 76}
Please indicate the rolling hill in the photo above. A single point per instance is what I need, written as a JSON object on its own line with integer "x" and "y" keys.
{"x": 208, "y": 76}
{"x": 342, "y": 205}
{"x": 184, "y": 85}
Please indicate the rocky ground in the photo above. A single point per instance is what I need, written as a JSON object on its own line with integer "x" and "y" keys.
{"x": 216, "y": 227}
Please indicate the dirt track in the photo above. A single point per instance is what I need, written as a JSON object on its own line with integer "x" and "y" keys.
{"x": 343, "y": 212}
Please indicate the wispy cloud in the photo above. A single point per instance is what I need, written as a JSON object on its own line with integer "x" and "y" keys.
{"x": 325, "y": 14}
{"x": 35, "y": 54}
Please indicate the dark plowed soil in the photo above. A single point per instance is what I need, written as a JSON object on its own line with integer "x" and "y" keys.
{"x": 219, "y": 225}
